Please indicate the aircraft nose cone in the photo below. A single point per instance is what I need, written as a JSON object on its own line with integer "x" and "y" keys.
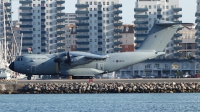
{"x": 11, "y": 66}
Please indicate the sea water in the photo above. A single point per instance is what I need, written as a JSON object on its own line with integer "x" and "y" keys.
{"x": 178, "y": 102}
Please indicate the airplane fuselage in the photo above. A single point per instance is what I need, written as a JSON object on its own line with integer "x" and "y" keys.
{"x": 41, "y": 64}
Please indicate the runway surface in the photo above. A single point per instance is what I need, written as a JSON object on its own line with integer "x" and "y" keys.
{"x": 111, "y": 80}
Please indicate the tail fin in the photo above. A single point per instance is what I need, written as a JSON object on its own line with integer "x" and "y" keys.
{"x": 159, "y": 36}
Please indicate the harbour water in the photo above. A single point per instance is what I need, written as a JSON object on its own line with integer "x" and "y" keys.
{"x": 180, "y": 102}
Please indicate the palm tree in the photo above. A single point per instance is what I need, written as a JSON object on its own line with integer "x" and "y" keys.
{"x": 178, "y": 73}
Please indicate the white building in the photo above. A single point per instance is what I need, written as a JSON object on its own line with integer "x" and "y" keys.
{"x": 98, "y": 26}
{"x": 147, "y": 11}
{"x": 42, "y": 25}
{"x": 70, "y": 18}
{"x": 70, "y": 42}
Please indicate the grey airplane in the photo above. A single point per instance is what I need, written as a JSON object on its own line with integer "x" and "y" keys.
{"x": 87, "y": 65}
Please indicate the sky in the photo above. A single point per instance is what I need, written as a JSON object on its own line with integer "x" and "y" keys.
{"x": 188, "y": 12}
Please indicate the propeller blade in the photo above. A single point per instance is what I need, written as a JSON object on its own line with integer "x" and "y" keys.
{"x": 68, "y": 59}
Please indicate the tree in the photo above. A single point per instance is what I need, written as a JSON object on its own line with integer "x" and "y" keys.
{"x": 178, "y": 73}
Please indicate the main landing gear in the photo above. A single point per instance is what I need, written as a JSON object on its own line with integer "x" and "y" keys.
{"x": 28, "y": 77}
{"x": 82, "y": 77}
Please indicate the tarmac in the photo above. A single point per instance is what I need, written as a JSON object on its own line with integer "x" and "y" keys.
{"x": 137, "y": 80}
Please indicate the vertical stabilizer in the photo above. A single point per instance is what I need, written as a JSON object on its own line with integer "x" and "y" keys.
{"x": 159, "y": 36}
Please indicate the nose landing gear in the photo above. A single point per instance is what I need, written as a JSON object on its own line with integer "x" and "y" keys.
{"x": 29, "y": 77}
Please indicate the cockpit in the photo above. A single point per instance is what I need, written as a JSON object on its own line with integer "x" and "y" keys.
{"x": 19, "y": 59}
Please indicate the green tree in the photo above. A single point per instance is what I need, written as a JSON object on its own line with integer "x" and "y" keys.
{"x": 178, "y": 73}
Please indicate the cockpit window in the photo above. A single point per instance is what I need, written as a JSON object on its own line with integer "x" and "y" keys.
{"x": 19, "y": 59}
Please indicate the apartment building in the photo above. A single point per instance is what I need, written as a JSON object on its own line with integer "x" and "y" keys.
{"x": 197, "y": 21}
{"x": 42, "y": 25}
{"x": 148, "y": 11}
{"x": 98, "y": 26}
{"x": 70, "y": 18}
{"x": 71, "y": 38}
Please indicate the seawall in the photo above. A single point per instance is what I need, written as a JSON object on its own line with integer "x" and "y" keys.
{"x": 90, "y": 87}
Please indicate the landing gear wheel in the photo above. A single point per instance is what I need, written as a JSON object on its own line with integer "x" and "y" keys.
{"x": 29, "y": 77}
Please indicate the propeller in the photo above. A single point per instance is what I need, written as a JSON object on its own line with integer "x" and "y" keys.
{"x": 68, "y": 60}
{"x": 57, "y": 60}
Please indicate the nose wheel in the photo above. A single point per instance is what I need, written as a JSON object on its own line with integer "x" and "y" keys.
{"x": 28, "y": 77}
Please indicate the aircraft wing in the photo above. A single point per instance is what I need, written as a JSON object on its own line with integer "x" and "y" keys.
{"x": 88, "y": 55}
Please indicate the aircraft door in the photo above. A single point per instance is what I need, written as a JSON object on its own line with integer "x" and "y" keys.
{"x": 100, "y": 66}
{"x": 33, "y": 70}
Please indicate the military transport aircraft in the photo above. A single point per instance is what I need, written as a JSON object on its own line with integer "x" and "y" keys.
{"x": 83, "y": 64}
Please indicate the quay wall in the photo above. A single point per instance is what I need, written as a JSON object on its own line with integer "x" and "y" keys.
{"x": 90, "y": 87}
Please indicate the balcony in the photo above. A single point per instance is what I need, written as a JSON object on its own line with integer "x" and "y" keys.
{"x": 60, "y": 2}
{"x": 177, "y": 9}
{"x": 100, "y": 36}
{"x": 43, "y": 32}
{"x": 197, "y": 33}
{"x": 26, "y": 32}
{"x": 197, "y": 20}
{"x": 177, "y": 47}
{"x": 60, "y": 38}
{"x": 60, "y": 32}
{"x": 43, "y": 2}
{"x": 117, "y": 36}
{"x": 60, "y": 26}
{"x": 197, "y": 14}
{"x": 99, "y": 12}
{"x": 117, "y": 18}
{"x": 7, "y": 16}
{"x": 82, "y": 30}
{"x": 25, "y": 2}
{"x": 43, "y": 26}
{"x": 27, "y": 44}
{"x": 159, "y": 9}
{"x": 8, "y": 10}
{"x": 177, "y": 15}
{"x": 82, "y": 43}
{"x": 117, "y": 11}
{"x": 43, "y": 13}
{"x": 197, "y": 40}
{"x": 198, "y": 46}
{"x": 60, "y": 8}
{"x": 60, "y": 14}
{"x": 117, "y": 24}
{"x": 141, "y": 28}
{"x": 25, "y": 8}
{"x": 9, "y": 33}
{"x": 180, "y": 28}
{"x": 177, "y": 35}
{"x": 140, "y": 35}
{"x": 82, "y": 24}
{"x": 26, "y": 26}
{"x": 82, "y": 12}
{"x": 99, "y": 18}
{"x": 100, "y": 49}
{"x": 117, "y": 5}
{"x": 43, "y": 50}
{"x": 82, "y": 18}
{"x": 140, "y": 9}
{"x": 178, "y": 54}
{"x": 138, "y": 41}
{"x": 141, "y": 22}
{"x": 177, "y": 21}
{"x": 43, "y": 20}
{"x": 197, "y": 27}
{"x": 25, "y": 13}
{"x": 100, "y": 30}
{"x": 159, "y": 16}
{"x": 43, "y": 44}
{"x": 27, "y": 38}
{"x": 99, "y": 24}
{"x": 141, "y": 16}
{"x": 117, "y": 43}
{"x": 44, "y": 38}
{"x": 82, "y": 5}
{"x": 61, "y": 50}
{"x": 8, "y": 28}
{"x": 60, "y": 20}
{"x": 117, "y": 30}
{"x": 118, "y": 49}
{"x": 99, "y": 5}
{"x": 43, "y": 8}
{"x": 60, "y": 44}
{"x": 7, "y": 4}
{"x": 177, "y": 41}
{"x": 100, "y": 43}
{"x": 82, "y": 49}
{"x": 82, "y": 36}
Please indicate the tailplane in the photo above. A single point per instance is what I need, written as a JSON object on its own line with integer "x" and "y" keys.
{"x": 159, "y": 36}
